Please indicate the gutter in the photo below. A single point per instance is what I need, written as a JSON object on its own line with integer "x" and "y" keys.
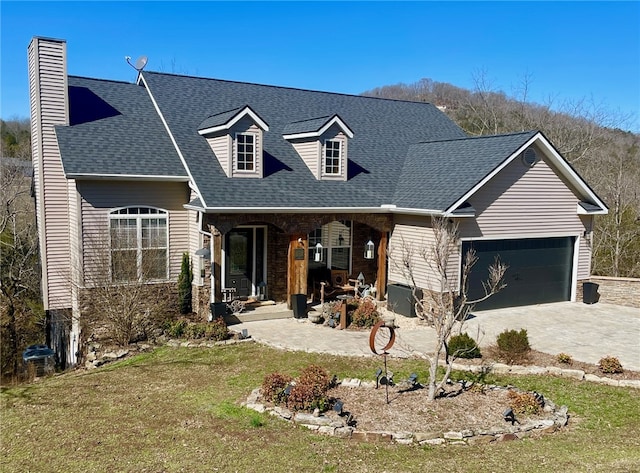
{"x": 383, "y": 209}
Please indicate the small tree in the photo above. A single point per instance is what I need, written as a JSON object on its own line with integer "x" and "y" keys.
{"x": 185, "y": 280}
{"x": 448, "y": 307}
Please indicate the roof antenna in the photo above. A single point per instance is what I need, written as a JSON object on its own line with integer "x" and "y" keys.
{"x": 140, "y": 62}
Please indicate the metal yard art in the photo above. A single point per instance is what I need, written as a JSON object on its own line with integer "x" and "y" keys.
{"x": 381, "y": 340}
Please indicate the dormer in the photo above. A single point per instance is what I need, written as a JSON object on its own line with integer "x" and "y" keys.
{"x": 236, "y": 138}
{"x": 322, "y": 143}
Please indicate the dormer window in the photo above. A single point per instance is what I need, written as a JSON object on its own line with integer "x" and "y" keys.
{"x": 322, "y": 143}
{"x": 332, "y": 157}
{"x": 245, "y": 152}
{"x": 236, "y": 137}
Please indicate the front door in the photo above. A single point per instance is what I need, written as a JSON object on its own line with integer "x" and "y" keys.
{"x": 239, "y": 261}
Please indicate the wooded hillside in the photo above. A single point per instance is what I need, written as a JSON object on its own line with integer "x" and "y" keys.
{"x": 585, "y": 133}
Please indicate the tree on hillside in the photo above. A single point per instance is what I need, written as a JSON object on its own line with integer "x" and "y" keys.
{"x": 15, "y": 139}
{"x": 617, "y": 241}
{"x": 446, "y": 307}
{"x": 21, "y": 312}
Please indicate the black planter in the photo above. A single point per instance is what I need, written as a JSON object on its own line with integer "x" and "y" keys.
{"x": 218, "y": 309}
{"x": 590, "y": 293}
{"x": 299, "y": 303}
{"x": 400, "y": 299}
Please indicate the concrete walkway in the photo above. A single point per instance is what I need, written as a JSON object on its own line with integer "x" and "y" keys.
{"x": 586, "y": 332}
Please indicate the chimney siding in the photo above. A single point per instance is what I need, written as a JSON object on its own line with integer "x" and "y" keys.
{"x": 48, "y": 93}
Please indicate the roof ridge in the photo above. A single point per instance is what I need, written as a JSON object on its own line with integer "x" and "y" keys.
{"x": 102, "y": 80}
{"x": 288, "y": 88}
{"x": 481, "y": 137}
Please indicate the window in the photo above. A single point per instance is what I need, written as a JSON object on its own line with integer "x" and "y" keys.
{"x": 332, "y": 156}
{"x": 335, "y": 238}
{"x": 139, "y": 244}
{"x": 245, "y": 152}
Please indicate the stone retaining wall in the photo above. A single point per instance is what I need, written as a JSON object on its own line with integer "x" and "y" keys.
{"x": 619, "y": 291}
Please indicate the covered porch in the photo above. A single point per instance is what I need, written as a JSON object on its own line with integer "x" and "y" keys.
{"x": 271, "y": 257}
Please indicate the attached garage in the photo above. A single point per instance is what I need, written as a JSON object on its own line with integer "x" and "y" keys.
{"x": 540, "y": 270}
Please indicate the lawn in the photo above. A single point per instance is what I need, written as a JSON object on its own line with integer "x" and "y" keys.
{"x": 178, "y": 410}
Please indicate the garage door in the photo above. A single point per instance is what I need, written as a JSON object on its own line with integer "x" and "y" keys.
{"x": 539, "y": 271}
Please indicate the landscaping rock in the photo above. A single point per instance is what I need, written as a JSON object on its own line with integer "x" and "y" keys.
{"x": 574, "y": 374}
{"x": 310, "y": 419}
{"x": 422, "y": 436}
{"x": 343, "y": 432}
{"x": 351, "y": 383}
{"x": 453, "y": 435}
{"x": 438, "y": 441}
{"x": 282, "y": 412}
{"x": 629, "y": 383}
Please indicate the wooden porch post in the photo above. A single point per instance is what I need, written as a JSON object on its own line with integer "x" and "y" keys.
{"x": 297, "y": 266}
{"x": 381, "y": 280}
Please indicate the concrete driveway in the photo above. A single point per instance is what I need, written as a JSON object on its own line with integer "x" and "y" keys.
{"x": 586, "y": 332}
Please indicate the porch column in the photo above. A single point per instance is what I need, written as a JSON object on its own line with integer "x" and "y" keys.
{"x": 216, "y": 264}
{"x": 381, "y": 280}
{"x": 297, "y": 266}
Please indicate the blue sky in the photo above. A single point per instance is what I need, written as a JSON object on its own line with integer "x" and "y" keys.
{"x": 568, "y": 50}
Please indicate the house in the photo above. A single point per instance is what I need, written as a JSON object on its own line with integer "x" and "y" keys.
{"x": 266, "y": 185}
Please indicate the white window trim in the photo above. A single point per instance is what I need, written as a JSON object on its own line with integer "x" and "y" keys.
{"x": 161, "y": 213}
{"x": 236, "y": 154}
{"x": 324, "y": 157}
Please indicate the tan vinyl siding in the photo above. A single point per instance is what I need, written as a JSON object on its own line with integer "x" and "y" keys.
{"x": 246, "y": 125}
{"x": 74, "y": 240}
{"x": 48, "y": 95}
{"x": 584, "y": 259}
{"x": 195, "y": 240}
{"x": 523, "y": 202}
{"x": 221, "y": 146}
{"x": 309, "y": 152}
{"x": 100, "y": 197}
{"x": 414, "y": 235}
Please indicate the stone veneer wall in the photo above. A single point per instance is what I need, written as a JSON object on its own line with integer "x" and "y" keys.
{"x": 618, "y": 291}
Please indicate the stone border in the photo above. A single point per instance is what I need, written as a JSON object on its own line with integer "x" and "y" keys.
{"x": 580, "y": 375}
{"x": 322, "y": 424}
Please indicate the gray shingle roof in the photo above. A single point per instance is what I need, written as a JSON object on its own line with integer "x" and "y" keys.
{"x": 383, "y": 132}
{"x": 219, "y": 118}
{"x": 115, "y": 130}
{"x": 437, "y": 173}
{"x": 404, "y": 153}
{"x": 303, "y": 126}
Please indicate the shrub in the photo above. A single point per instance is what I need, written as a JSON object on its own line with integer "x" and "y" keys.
{"x": 523, "y": 403}
{"x": 365, "y": 315}
{"x": 194, "y": 331}
{"x": 216, "y": 330}
{"x": 185, "y": 278}
{"x": 463, "y": 346}
{"x": 610, "y": 365}
{"x": 176, "y": 329}
{"x": 310, "y": 391}
{"x": 564, "y": 358}
{"x": 513, "y": 345}
{"x": 273, "y": 387}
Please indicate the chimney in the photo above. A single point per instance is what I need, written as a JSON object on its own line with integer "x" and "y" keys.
{"x": 49, "y": 104}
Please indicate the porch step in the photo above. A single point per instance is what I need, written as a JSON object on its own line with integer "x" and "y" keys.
{"x": 231, "y": 319}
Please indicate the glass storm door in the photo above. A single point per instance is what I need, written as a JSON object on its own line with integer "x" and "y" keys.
{"x": 239, "y": 261}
